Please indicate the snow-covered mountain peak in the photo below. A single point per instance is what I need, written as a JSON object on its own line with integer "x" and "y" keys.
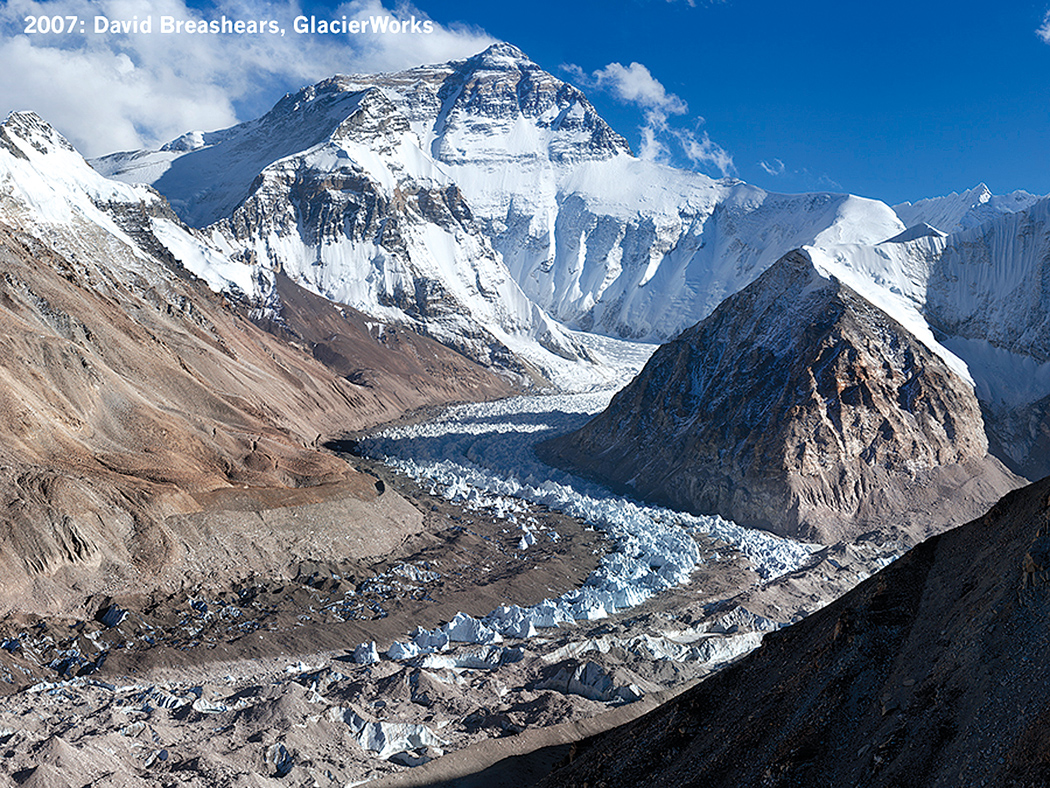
{"x": 973, "y": 207}
{"x": 34, "y": 131}
{"x": 920, "y": 230}
{"x": 191, "y": 140}
{"x": 501, "y": 56}
{"x": 499, "y": 101}
{"x": 48, "y": 179}
{"x": 979, "y": 194}
{"x": 46, "y": 186}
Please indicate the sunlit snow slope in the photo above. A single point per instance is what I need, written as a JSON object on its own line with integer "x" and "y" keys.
{"x": 979, "y": 298}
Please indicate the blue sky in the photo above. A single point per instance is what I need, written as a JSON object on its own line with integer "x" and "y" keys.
{"x": 892, "y": 100}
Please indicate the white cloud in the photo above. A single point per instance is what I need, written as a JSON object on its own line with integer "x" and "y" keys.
{"x": 635, "y": 84}
{"x": 109, "y": 92}
{"x": 801, "y": 179}
{"x": 693, "y": 3}
{"x": 1043, "y": 31}
{"x": 702, "y": 151}
{"x": 776, "y": 167}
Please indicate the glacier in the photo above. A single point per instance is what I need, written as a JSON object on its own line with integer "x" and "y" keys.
{"x": 481, "y": 456}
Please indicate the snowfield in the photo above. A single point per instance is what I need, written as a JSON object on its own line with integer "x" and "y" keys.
{"x": 481, "y": 455}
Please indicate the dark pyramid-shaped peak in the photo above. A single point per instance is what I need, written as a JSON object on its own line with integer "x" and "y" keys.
{"x": 797, "y": 406}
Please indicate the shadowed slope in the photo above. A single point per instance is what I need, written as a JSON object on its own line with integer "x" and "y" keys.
{"x": 933, "y": 672}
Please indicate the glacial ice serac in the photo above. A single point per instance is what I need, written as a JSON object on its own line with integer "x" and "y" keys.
{"x": 481, "y": 456}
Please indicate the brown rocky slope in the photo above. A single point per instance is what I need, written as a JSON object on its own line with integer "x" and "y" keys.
{"x": 933, "y": 672}
{"x": 147, "y": 422}
{"x": 800, "y": 407}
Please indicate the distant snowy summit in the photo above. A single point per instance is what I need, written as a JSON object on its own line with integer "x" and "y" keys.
{"x": 548, "y": 196}
{"x": 956, "y": 212}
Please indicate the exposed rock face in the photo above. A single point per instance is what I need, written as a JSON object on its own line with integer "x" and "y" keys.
{"x": 983, "y": 292}
{"x": 365, "y": 220}
{"x": 799, "y": 407}
{"x": 933, "y": 672}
